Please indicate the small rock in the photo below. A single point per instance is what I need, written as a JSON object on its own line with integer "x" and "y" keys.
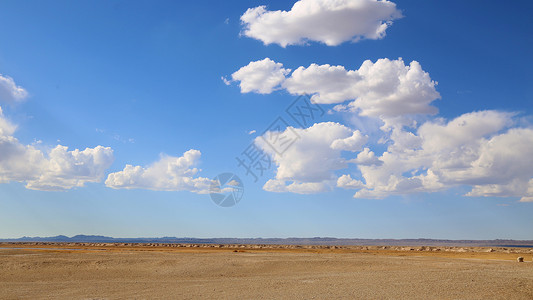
{"x": 520, "y": 259}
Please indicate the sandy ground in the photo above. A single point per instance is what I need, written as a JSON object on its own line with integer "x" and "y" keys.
{"x": 111, "y": 272}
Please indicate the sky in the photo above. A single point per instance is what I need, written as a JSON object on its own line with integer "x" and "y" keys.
{"x": 348, "y": 119}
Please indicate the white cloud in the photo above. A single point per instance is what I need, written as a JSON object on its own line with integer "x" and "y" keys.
{"x": 6, "y": 127}
{"x": 366, "y": 158}
{"x": 528, "y": 195}
{"x": 386, "y": 89}
{"x": 465, "y": 129}
{"x": 67, "y": 169}
{"x": 353, "y": 143}
{"x": 328, "y": 84}
{"x": 58, "y": 169}
{"x": 516, "y": 187}
{"x": 281, "y": 186}
{"x": 234, "y": 183}
{"x": 346, "y": 182}
{"x": 498, "y": 160}
{"x": 484, "y": 150}
{"x": 9, "y": 91}
{"x": 261, "y": 76}
{"x": 310, "y": 161}
{"x": 170, "y": 173}
{"x": 251, "y": 132}
{"x": 331, "y": 22}
{"x": 226, "y": 81}
{"x": 474, "y": 149}
{"x": 481, "y": 150}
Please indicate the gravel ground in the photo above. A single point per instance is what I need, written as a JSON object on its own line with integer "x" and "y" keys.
{"x": 38, "y": 274}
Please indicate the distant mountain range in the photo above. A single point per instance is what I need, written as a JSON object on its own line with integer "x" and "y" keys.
{"x": 280, "y": 241}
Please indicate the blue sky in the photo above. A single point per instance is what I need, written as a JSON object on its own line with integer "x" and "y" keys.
{"x": 140, "y": 83}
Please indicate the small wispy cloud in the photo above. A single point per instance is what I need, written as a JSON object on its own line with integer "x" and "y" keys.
{"x": 226, "y": 82}
{"x": 115, "y": 136}
{"x": 10, "y": 92}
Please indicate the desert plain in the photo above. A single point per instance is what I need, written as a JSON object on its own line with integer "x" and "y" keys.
{"x": 170, "y": 271}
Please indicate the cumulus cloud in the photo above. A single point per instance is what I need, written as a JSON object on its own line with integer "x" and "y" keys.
{"x": 482, "y": 150}
{"x": 331, "y": 22}
{"x": 328, "y": 84}
{"x": 353, "y": 143}
{"x": 6, "y": 127}
{"x": 475, "y": 149}
{"x": 392, "y": 89}
{"x": 307, "y": 165}
{"x": 347, "y": 182}
{"x": 65, "y": 169}
{"x": 9, "y": 91}
{"x": 366, "y": 158}
{"x": 439, "y": 135}
{"x": 528, "y": 195}
{"x": 170, "y": 173}
{"x": 281, "y": 186}
{"x": 386, "y": 89}
{"x": 261, "y": 76}
{"x": 57, "y": 169}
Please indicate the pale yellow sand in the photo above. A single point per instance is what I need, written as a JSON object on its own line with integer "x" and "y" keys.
{"x": 185, "y": 273}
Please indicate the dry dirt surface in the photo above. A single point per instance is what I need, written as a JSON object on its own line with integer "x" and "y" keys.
{"x": 87, "y": 271}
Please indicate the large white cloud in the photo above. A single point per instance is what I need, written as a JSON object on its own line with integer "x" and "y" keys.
{"x": 479, "y": 149}
{"x": 439, "y": 135}
{"x": 327, "y": 21}
{"x": 389, "y": 89}
{"x": 475, "y": 149}
{"x": 170, "y": 173}
{"x": 328, "y": 84}
{"x": 9, "y": 91}
{"x": 261, "y": 76}
{"x": 307, "y": 165}
{"x": 57, "y": 169}
{"x": 483, "y": 150}
{"x": 65, "y": 169}
{"x": 386, "y": 89}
